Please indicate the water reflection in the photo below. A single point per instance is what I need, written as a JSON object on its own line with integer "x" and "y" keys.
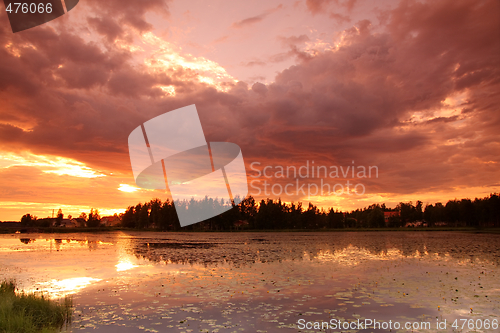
{"x": 60, "y": 288}
{"x": 27, "y": 240}
{"x": 350, "y": 248}
{"x": 142, "y": 281}
{"x": 56, "y": 243}
{"x": 124, "y": 266}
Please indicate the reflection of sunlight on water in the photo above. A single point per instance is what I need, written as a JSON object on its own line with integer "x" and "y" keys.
{"x": 125, "y": 260}
{"x": 60, "y": 288}
{"x": 124, "y": 266}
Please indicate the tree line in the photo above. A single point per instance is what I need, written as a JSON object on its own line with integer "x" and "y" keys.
{"x": 271, "y": 214}
{"x": 92, "y": 220}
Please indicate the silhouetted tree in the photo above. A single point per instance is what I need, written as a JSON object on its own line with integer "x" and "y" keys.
{"x": 452, "y": 210}
{"x": 335, "y": 219}
{"x": 248, "y": 209}
{"x": 59, "y": 217}
{"x": 27, "y": 220}
{"x": 376, "y": 218}
{"x": 94, "y": 220}
{"x": 128, "y": 218}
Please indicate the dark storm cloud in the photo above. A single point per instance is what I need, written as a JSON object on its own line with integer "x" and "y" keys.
{"x": 350, "y": 104}
{"x": 355, "y": 103}
{"x": 106, "y": 26}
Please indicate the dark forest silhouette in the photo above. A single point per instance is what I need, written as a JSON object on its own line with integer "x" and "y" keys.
{"x": 272, "y": 214}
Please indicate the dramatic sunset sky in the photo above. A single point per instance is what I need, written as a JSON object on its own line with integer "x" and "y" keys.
{"x": 412, "y": 87}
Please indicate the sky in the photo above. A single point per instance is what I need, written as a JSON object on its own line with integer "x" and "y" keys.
{"x": 409, "y": 87}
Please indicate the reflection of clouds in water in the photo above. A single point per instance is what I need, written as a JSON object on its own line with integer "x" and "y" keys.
{"x": 279, "y": 275}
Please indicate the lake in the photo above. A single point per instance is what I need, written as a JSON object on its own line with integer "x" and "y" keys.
{"x": 264, "y": 282}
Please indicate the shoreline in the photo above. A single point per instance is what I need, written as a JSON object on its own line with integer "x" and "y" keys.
{"x": 52, "y": 230}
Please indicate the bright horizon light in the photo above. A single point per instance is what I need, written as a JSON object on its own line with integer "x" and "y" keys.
{"x": 49, "y": 164}
{"x": 127, "y": 188}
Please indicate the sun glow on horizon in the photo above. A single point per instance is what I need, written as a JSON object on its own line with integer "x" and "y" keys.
{"x": 128, "y": 188}
{"x": 49, "y": 164}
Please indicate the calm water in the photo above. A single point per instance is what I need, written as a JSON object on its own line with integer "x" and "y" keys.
{"x": 260, "y": 282}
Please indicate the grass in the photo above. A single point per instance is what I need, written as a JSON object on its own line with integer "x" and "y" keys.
{"x": 25, "y": 313}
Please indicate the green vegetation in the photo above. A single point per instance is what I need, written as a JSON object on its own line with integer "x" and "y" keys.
{"x": 26, "y": 313}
